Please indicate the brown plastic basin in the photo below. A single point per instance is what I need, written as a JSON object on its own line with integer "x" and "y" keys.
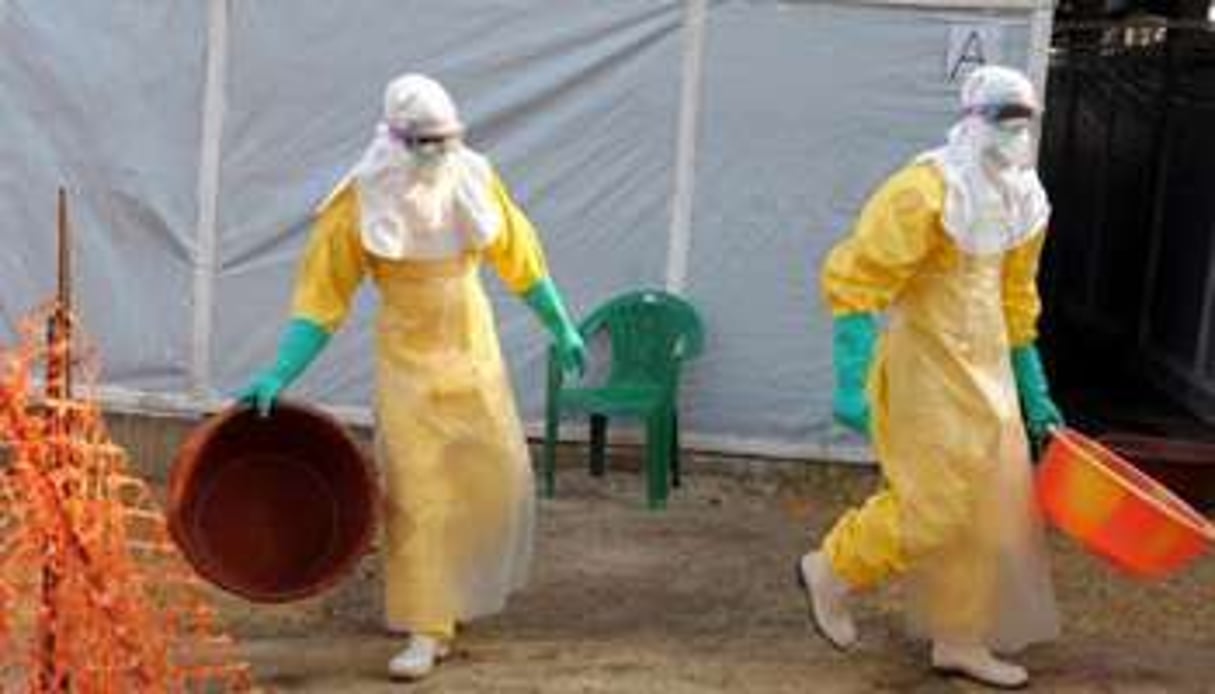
{"x": 272, "y": 509}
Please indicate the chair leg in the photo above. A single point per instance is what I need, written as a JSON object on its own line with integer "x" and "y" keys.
{"x": 676, "y": 461}
{"x": 599, "y": 425}
{"x": 657, "y": 462}
{"x": 552, "y": 423}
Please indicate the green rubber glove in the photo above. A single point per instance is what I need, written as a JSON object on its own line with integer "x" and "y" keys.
{"x": 298, "y": 346}
{"x": 854, "y": 339}
{"x": 1040, "y": 413}
{"x": 545, "y": 301}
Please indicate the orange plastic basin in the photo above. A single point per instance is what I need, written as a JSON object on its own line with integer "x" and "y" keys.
{"x": 1116, "y": 511}
{"x": 272, "y": 508}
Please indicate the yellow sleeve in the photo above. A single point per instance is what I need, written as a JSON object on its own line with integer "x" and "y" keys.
{"x": 515, "y": 252}
{"x": 1022, "y": 305}
{"x": 897, "y": 230}
{"x": 333, "y": 264}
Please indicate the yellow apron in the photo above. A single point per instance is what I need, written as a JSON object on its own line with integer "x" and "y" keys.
{"x": 958, "y": 516}
{"x": 460, "y": 496}
{"x": 459, "y": 509}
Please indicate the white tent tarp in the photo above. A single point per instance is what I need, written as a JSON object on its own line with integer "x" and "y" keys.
{"x": 717, "y": 148}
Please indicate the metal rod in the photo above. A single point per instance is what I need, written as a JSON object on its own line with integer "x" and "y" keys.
{"x": 58, "y": 390}
{"x": 59, "y": 359}
{"x": 65, "y": 254}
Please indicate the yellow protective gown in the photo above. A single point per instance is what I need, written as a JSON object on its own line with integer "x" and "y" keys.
{"x": 459, "y": 511}
{"x": 957, "y": 515}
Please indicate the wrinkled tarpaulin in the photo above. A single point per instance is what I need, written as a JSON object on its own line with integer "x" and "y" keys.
{"x": 717, "y": 148}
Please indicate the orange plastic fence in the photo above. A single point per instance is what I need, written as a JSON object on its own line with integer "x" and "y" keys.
{"x": 94, "y": 597}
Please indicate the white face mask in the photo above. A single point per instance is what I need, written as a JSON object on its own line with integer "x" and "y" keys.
{"x": 1010, "y": 144}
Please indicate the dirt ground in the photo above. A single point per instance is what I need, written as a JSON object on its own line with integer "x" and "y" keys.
{"x": 701, "y": 598}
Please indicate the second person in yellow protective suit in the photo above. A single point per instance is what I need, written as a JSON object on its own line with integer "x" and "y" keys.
{"x": 948, "y": 247}
{"x": 419, "y": 214}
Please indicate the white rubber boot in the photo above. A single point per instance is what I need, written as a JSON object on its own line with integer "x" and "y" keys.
{"x": 419, "y": 658}
{"x": 977, "y": 663}
{"x": 827, "y": 599}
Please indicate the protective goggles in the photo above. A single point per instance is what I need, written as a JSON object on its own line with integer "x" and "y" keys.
{"x": 999, "y": 113}
{"x": 412, "y": 140}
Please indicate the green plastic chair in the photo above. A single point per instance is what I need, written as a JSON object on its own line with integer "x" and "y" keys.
{"x": 652, "y": 333}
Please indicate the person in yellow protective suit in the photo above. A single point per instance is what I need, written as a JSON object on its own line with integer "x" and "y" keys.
{"x": 418, "y": 214}
{"x": 948, "y": 247}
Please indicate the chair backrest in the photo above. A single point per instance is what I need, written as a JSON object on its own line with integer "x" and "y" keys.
{"x": 651, "y": 332}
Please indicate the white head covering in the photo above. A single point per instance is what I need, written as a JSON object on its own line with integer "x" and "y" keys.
{"x": 994, "y": 198}
{"x": 423, "y": 207}
{"x": 416, "y": 103}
